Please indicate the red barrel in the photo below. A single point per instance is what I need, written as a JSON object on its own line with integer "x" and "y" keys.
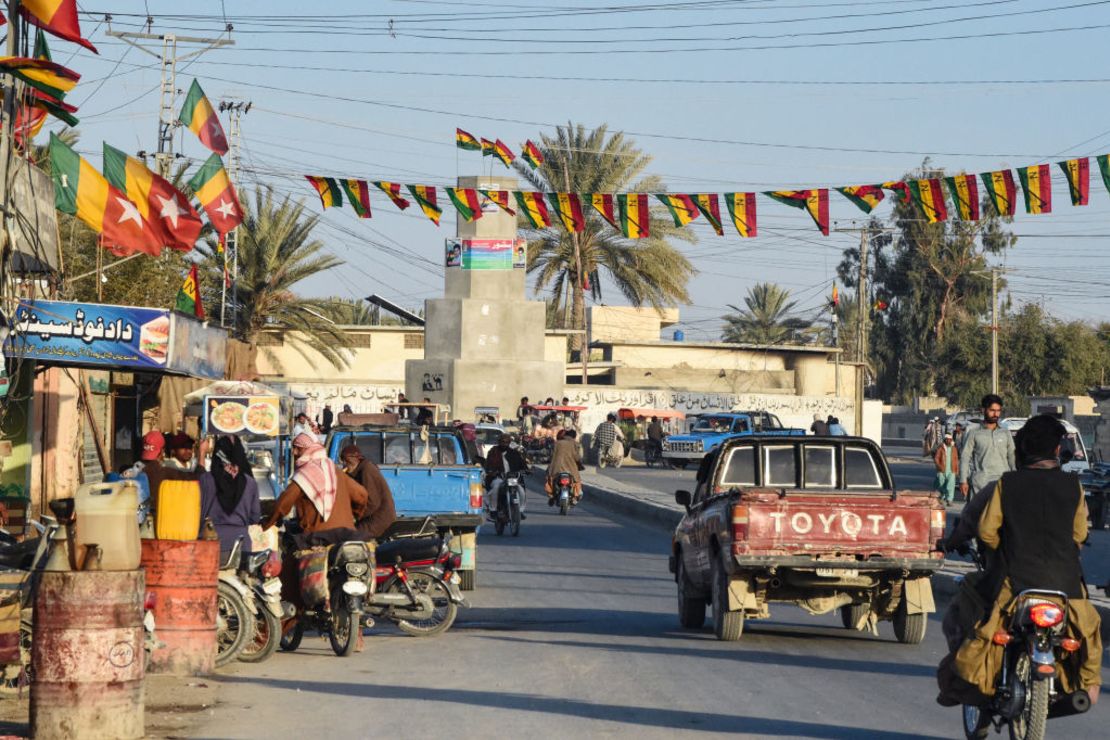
{"x": 182, "y": 577}
{"x": 87, "y": 655}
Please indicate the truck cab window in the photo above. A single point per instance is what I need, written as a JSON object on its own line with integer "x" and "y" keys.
{"x": 740, "y": 425}
{"x": 740, "y": 469}
{"x": 778, "y": 467}
{"x": 424, "y": 453}
{"x": 773, "y": 422}
{"x": 859, "y": 469}
{"x": 446, "y": 450}
{"x": 397, "y": 450}
{"x": 820, "y": 467}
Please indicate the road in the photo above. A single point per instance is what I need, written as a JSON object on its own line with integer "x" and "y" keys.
{"x": 572, "y": 632}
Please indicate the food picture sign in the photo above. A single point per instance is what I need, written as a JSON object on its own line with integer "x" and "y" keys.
{"x": 258, "y": 416}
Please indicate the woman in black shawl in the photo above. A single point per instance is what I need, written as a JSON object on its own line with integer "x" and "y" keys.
{"x": 229, "y": 495}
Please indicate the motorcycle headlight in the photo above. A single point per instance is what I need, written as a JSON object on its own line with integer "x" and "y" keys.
{"x": 357, "y": 570}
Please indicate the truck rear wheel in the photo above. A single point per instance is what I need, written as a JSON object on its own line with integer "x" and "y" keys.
{"x": 691, "y": 609}
{"x": 853, "y": 614}
{"x": 727, "y": 626}
{"x": 909, "y": 628}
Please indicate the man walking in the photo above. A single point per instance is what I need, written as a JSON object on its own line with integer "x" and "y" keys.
{"x": 988, "y": 451}
{"x": 947, "y": 460}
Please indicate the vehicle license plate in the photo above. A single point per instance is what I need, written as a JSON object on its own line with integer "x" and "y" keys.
{"x": 835, "y": 572}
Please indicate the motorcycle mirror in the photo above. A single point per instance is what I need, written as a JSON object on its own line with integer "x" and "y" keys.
{"x": 683, "y": 498}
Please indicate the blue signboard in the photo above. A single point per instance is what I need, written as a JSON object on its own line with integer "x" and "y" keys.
{"x": 91, "y": 334}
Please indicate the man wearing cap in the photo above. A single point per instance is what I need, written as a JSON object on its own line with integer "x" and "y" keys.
{"x": 380, "y": 511}
{"x": 947, "y": 459}
{"x": 501, "y": 460}
{"x": 154, "y": 443}
{"x": 179, "y": 447}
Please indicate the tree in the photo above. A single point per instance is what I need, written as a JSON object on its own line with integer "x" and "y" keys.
{"x": 646, "y": 271}
{"x": 277, "y": 251}
{"x": 933, "y": 276}
{"x": 766, "y": 320}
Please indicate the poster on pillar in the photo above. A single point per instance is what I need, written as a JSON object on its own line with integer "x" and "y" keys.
{"x": 488, "y": 254}
{"x": 520, "y": 254}
{"x": 453, "y": 250}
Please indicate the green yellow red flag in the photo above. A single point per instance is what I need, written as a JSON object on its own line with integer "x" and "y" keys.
{"x": 606, "y": 206}
{"x": 568, "y": 207}
{"x": 500, "y": 198}
{"x": 899, "y": 188}
{"x": 814, "y": 202}
{"x": 682, "y": 207}
{"x": 1001, "y": 190}
{"x": 466, "y": 202}
{"x": 217, "y": 195}
{"x": 188, "y": 298}
{"x": 393, "y": 190}
{"x": 328, "y": 190}
{"x": 635, "y": 215}
{"x": 81, "y": 191}
{"x": 466, "y": 140}
{"x": 741, "y": 206}
{"x": 171, "y": 216}
{"x": 58, "y": 17}
{"x": 1078, "y": 174}
{"x": 708, "y": 205}
{"x": 198, "y": 115}
{"x": 1036, "y": 186}
{"x": 41, "y": 74}
{"x": 426, "y": 197}
{"x": 532, "y": 154}
{"x": 504, "y": 153}
{"x": 534, "y": 208}
{"x": 929, "y": 197}
{"x": 864, "y": 197}
{"x": 358, "y": 195}
{"x": 487, "y": 147}
{"x": 964, "y": 190}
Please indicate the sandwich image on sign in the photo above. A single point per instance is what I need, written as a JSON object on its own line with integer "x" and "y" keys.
{"x": 154, "y": 339}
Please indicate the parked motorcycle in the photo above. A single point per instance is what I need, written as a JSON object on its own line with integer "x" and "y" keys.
{"x": 564, "y": 493}
{"x": 261, "y": 577}
{"x": 510, "y": 504}
{"x": 1026, "y": 694}
{"x": 417, "y": 587}
{"x": 339, "y": 613}
{"x": 235, "y": 610}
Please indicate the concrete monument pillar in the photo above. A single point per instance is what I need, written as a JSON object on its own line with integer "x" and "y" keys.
{"x": 483, "y": 341}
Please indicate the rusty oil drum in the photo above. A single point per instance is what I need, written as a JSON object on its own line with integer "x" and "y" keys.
{"x": 87, "y": 655}
{"x": 182, "y": 576}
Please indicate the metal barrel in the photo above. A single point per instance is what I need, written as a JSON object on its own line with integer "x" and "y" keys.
{"x": 87, "y": 655}
{"x": 182, "y": 576}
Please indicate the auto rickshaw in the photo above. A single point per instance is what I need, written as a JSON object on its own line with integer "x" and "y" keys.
{"x": 553, "y": 419}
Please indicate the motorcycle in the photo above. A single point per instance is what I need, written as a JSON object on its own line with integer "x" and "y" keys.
{"x": 538, "y": 449}
{"x": 235, "y": 610}
{"x": 611, "y": 456}
{"x": 261, "y": 577}
{"x": 338, "y": 612}
{"x": 564, "y": 492}
{"x": 510, "y": 504}
{"x": 416, "y": 584}
{"x": 1026, "y": 695}
{"x": 653, "y": 454}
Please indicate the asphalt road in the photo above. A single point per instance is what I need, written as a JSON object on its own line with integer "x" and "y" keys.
{"x": 572, "y": 633}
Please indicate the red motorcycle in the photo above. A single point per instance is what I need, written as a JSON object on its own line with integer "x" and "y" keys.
{"x": 417, "y": 587}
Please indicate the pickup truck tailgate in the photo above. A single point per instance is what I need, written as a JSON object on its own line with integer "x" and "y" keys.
{"x": 421, "y": 489}
{"x": 860, "y": 525}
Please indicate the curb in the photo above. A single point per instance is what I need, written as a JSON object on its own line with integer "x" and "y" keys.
{"x": 945, "y": 582}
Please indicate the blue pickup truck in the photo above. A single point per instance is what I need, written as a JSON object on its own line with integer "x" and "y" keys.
{"x": 711, "y": 430}
{"x": 428, "y": 477}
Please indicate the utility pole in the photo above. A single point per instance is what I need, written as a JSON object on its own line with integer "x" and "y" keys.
{"x": 236, "y": 109}
{"x": 862, "y": 309}
{"x": 167, "y": 106}
{"x": 585, "y": 352}
{"x": 7, "y": 153}
{"x": 994, "y": 330}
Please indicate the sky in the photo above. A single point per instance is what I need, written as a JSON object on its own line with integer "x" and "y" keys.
{"x": 725, "y": 95}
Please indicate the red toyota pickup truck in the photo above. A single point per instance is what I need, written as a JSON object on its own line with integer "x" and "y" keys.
{"x": 811, "y": 521}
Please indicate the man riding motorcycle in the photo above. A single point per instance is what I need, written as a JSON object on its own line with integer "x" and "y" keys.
{"x": 565, "y": 458}
{"x": 605, "y": 436}
{"x": 1032, "y": 526}
{"x": 502, "y": 459}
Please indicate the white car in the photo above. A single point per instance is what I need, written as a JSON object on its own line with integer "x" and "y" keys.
{"x": 487, "y": 436}
{"x": 1072, "y": 443}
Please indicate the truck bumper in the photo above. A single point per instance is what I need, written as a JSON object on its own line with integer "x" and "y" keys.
{"x": 918, "y": 566}
{"x": 683, "y": 455}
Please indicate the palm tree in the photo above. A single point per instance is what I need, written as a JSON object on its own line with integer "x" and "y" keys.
{"x": 766, "y": 320}
{"x": 276, "y": 251}
{"x": 645, "y": 271}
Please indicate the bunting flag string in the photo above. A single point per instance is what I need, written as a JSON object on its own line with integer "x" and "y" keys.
{"x": 682, "y": 207}
{"x": 741, "y": 206}
{"x": 426, "y": 196}
{"x": 708, "y": 206}
{"x": 393, "y": 190}
{"x": 534, "y": 209}
{"x": 1036, "y": 186}
{"x": 865, "y": 197}
{"x": 815, "y": 203}
{"x": 1001, "y": 191}
{"x": 569, "y": 210}
{"x": 358, "y": 195}
{"x": 1077, "y": 172}
{"x": 328, "y": 190}
{"x": 466, "y": 203}
{"x": 928, "y": 195}
{"x": 604, "y": 204}
{"x": 635, "y": 215}
{"x": 964, "y": 190}
{"x": 500, "y": 198}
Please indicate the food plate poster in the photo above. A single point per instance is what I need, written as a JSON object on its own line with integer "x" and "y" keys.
{"x": 251, "y": 416}
{"x": 90, "y": 334}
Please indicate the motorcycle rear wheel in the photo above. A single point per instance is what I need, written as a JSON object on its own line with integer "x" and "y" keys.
{"x": 267, "y": 635}
{"x": 445, "y": 610}
{"x": 345, "y": 626}
{"x": 564, "y": 505}
{"x": 234, "y": 624}
{"x": 291, "y": 638}
{"x": 1030, "y": 724}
